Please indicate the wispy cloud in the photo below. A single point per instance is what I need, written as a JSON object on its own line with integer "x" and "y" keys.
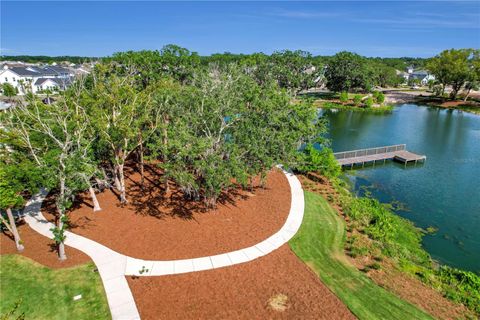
{"x": 6, "y": 51}
{"x": 421, "y": 22}
{"x": 305, "y": 14}
{"x": 409, "y": 20}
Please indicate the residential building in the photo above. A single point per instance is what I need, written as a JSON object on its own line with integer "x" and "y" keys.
{"x": 36, "y": 78}
{"x": 422, "y": 75}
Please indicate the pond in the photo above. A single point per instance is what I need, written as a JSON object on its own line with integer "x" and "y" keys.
{"x": 443, "y": 193}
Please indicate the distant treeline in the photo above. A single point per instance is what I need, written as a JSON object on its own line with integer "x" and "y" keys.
{"x": 48, "y": 59}
{"x": 397, "y": 63}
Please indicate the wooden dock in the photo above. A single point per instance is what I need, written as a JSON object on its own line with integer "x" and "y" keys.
{"x": 396, "y": 152}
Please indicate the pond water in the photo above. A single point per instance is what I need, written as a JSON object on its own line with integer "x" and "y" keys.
{"x": 443, "y": 193}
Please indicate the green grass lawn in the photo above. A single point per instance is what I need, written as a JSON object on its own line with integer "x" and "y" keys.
{"x": 320, "y": 242}
{"x": 47, "y": 293}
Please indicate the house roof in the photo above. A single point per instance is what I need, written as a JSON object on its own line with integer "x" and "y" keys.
{"x": 61, "y": 82}
{"x": 34, "y": 71}
{"x": 420, "y": 72}
{"x": 24, "y": 72}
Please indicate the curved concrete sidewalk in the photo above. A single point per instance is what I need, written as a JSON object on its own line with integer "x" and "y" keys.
{"x": 113, "y": 266}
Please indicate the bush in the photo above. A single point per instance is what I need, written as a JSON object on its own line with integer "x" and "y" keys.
{"x": 344, "y": 97}
{"x": 461, "y": 286}
{"x": 399, "y": 237}
{"x": 357, "y": 99}
{"x": 369, "y": 102}
{"x": 321, "y": 161}
{"x": 437, "y": 90}
{"x": 8, "y": 90}
{"x": 380, "y": 98}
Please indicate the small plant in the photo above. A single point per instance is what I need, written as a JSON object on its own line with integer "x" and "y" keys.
{"x": 59, "y": 233}
{"x": 375, "y": 266}
{"x": 344, "y": 97}
{"x": 357, "y": 99}
{"x": 143, "y": 270}
{"x": 380, "y": 98}
{"x": 369, "y": 102}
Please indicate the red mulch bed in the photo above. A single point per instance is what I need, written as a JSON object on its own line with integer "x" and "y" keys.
{"x": 41, "y": 249}
{"x": 165, "y": 227}
{"x": 239, "y": 292}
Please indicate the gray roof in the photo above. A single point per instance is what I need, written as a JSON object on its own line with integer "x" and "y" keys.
{"x": 56, "y": 70}
{"x": 34, "y": 71}
{"x": 420, "y": 72}
{"x": 61, "y": 82}
{"x": 23, "y": 71}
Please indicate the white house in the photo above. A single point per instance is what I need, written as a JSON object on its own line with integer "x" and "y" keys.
{"x": 422, "y": 75}
{"x": 34, "y": 78}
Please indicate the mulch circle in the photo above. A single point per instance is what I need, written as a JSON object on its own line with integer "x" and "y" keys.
{"x": 166, "y": 227}
{"x": 243, "y": 291}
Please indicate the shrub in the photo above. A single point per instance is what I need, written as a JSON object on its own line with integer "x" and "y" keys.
{"x": 344, "y": 97}
{"x": 461, "y": 286}
{"x": 369, "y": 102}
{"x": 375, "y": 266}
{"x": 8, "y": 90}
{"x": 321, "y": 161}
{"x": 437, "y": 90}
{"x": 380, "y": 98}
{"x": 357, "y": 99}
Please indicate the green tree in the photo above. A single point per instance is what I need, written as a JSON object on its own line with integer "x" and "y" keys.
{"x": 347, "y": 71}
{"x": 55, "y": 137}
{"x": 10, "y": 189}
{"x": 8, "y": 90}
{"x": 451, "y": 67}
{"x": 123, "y": 117}
{"x": 473, "y": 81}
{"x": 357, "y": 99}
{"x": 344, "y": 97}
{"x": 321, "y": 161}
{"x": 369, "y": 102}
{"x": 380, "y": 98}
{"x": 225, "y": 127}
{"x": 294, "y": 70}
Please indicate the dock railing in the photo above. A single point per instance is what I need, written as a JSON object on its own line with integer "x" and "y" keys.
{"x": 369, "y": 151}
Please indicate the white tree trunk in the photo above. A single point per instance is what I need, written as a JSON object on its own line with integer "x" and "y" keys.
{"x": 96, "y": 205}
{"x": 466, "y": 97}
{"x": 116, "y": 180}
{"x": 61, "y": 246}
{"x": 13, "y": 226}
{"x": 123, "y": 196}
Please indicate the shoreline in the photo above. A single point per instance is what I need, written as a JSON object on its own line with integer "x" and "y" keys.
{"x": 371, "y": 254}
{"x": 425, "y": 98}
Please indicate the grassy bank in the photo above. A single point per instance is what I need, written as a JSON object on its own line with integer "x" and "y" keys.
{"x": 44, "y": 293}
{"x": 320, "y": 243}
{"x": 339, "y": 106}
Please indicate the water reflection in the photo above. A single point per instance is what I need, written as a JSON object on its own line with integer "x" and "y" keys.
{"x": 444, "y": 192}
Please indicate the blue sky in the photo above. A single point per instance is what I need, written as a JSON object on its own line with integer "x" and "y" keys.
{"x": 382, "y": 28}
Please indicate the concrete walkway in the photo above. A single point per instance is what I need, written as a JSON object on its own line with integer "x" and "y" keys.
{"x": 113, "y": 266}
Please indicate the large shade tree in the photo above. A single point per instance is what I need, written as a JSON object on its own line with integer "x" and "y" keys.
{"x": 452, "y": 67}
{"x": 56, "y": 138}
{"x": 347, "y": 71}
{"x": 123, "y": 117}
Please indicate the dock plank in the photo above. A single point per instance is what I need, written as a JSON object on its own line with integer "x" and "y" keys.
{"x": 362, "y": 156}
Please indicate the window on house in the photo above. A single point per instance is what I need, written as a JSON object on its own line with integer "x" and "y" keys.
{"x": 13, "y": 79}
{"x": 6, "y": 79}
